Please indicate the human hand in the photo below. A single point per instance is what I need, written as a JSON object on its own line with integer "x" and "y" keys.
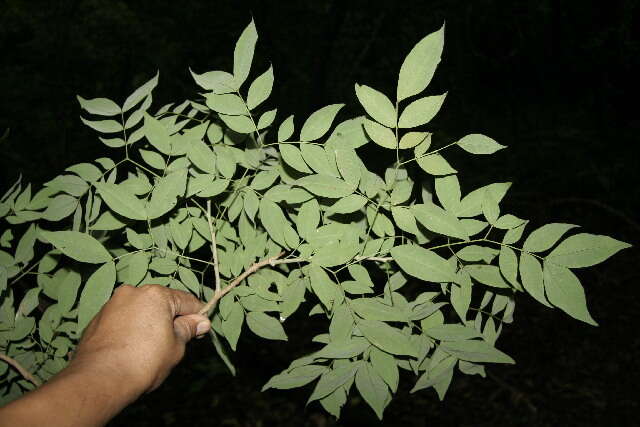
{"x": 141, "y": 333}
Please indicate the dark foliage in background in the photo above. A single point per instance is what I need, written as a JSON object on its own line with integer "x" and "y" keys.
{"x": 553, "y": 80}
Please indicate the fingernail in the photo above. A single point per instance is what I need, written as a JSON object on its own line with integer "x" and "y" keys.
{"x": 202, "y": 328}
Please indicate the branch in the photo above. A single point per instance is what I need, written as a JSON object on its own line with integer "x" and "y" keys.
{"x": 214, "y": 247}
{"x": 18, "y": 367}
{"x": 248, "y": 272}
{"x": 273, "y": 261}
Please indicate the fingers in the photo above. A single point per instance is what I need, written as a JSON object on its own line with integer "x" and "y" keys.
{"x": 180, "y": 302}
{"x": 191, "y": 325}
{"x": 184, "y": 302}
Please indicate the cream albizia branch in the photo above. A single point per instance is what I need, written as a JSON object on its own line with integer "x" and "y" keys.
{"x": 273, "y": 261}
{"x": 214, "y": 248}
{"x": 18, "y": 367}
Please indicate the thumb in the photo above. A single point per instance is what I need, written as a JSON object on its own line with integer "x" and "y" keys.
{"x": 190, "y": 326}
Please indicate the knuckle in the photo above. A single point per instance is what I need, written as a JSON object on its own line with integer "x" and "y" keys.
{"x": 123, "y": 289}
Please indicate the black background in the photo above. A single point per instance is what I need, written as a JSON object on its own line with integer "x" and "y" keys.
{"x": 553, "y": 80}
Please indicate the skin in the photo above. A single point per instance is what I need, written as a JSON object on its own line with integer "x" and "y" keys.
{"x": 128, "y": 349}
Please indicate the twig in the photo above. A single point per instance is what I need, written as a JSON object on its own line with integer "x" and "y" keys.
{"x": 18, "y": 367}
{"x": 214, "y": 248}
{"x": 248, "y": 272}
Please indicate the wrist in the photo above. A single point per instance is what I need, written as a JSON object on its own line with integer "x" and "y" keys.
{"x": 114, "y": 377}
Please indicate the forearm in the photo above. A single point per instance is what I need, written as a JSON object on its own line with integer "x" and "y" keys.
{"x": 83, "y": 394}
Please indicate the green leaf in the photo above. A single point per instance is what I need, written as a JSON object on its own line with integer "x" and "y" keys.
{"x": 341, "y": 324}
{"x": 166, "y": 192}
{"x": 421, "y": 111}
{"x": 121, "y": 200}
{"x": 471, "y": 204}
{"x": 240, "y": 124}
{"x": 23, "y": 327}
{"x": 103, "y": 126}
{"x": 140, "y": 93}
{"x": 476, "y": 143}
{"x": 266, "y": 119}
{"x": 325, "y": 186}
{"x": 490, "y": 208}
{"x": 461, "y": 299}
{"x": 404, "y": 219}
{"x": 377, "y": 105}
{"x": 374, "y": 309}
{"x": 99, "y": 106}
{"x": 438, "y": 374}
{"x": 273, "y": 220}
{"x": 265, "y": 326}
{"x": 243, "y": 53}
{"x": 95, "y": 294}
{"x": 565, "y": 292}
{"x": 585, "y": 250}
{"x": 451, "y": 332}
{"x": 86, "y": 171}
{"x": 260, "y": 89}
{"x": 292, "y": 156}
{"x": 360, "y": 274}
{"x": 532, "y": 279}
{"x": 348, "y": 134}
{"x": 508, "y": 222}
{"x": 308, "y": 218}
{"x": 79, "y": 246}
{"x": 60, "y": 207}
{"x": 202, "y": 156}
{"x": 251, "y": 204}
{"x": 319, "y": 159}
{"x": 222, "y": 352}
{"x": 401, "y": 192}
{"x": 232, "y": 325}
{"x": 138, "y": 268}
{"x": 286, "y": 129}
{"x": 351, "y": 203}
{"x": 381, "y": 135}
{"x": 475, "y": 351}
{"x": 435, "y": 164}
{"x": 545, "y": 237}
{"x": 349, "y": 165}
{"x": 420, "y": 64}
{"x": 319, "y": 122}
{"x": 322, "y": 285}
{"x": 448, "y": 192}
{"x": 295, "y": 378}
{"x": 217, "y": 81}
{"x": 345, "y": 348}
{"x": 487, "y": 275}
{"x": 412, "y": 139}
{"x": 423, "y": 264}
{"x": 226, "y": 161}
{"x": 387, "y": 338}
{"x": 439, "y": 221}
{"x": 228, "y": 103}
{"x": 508, "y": 263}
{"x": 473, "y": 253}
{"x": 372, "y": 388}
{"x": 157, "y": 134}
{"x": 385, "y": 365}
{"x": 206, "y": 185}
{"x": 330, "y": 381}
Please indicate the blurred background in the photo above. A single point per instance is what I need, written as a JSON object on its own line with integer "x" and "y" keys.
{"x": 554, "y": 80}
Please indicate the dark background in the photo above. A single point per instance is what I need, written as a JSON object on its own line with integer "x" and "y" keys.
{"x": 553, "y": 80}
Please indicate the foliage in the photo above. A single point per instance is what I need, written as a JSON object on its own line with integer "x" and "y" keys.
{"x": 210, "y": 197}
